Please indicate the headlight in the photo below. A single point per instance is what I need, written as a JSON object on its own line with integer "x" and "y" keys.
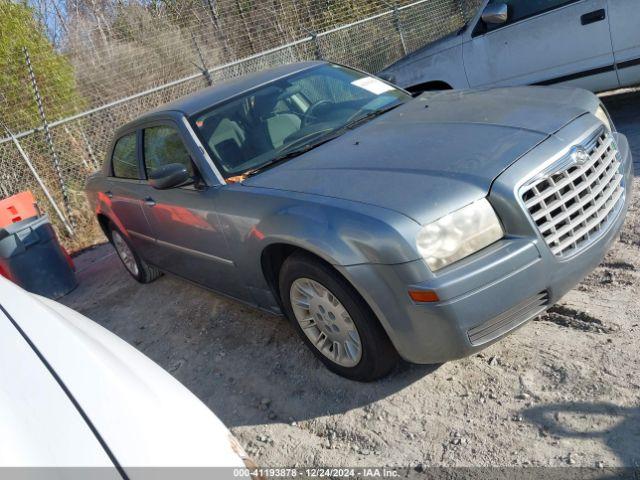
{"x": 603, "y": 116}
{"x": 459, "y": 234}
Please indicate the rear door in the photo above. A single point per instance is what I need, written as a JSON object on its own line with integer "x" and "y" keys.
{"x": 543, "y": 42}
{"x": 624, "y": 18}
{"x": 122, "y": 195}
{"x": 189, "y": 238}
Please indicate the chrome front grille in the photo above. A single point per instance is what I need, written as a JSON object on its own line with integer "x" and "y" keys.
{"x": 572, "y": 203}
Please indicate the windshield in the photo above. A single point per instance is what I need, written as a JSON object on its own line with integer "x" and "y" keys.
{"x": 292, "y": 114}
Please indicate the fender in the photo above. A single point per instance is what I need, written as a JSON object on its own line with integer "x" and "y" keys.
{"x": 440, "y": 61}
{"x": 340, "y": 232}
{"x": 100, "y": 204}
{"x": 103, "y": 208}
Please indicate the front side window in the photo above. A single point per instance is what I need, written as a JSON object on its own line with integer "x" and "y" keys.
{"x": 521, "y": 9}
{"x": 163, "y": 145}
{"x": 124, "y": 160}
{"x": 288, "y": 114}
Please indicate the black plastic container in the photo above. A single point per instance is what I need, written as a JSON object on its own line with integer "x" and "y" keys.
{"x": 32, "y": 257}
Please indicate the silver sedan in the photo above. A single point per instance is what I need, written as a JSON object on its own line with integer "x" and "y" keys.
{"x": 383, "y": 226}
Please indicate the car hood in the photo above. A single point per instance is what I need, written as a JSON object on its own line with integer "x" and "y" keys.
{"x": 433, "y": 154}
{"x": 145, "y": 416}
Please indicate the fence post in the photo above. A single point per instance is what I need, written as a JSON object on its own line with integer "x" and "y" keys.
{"x": 397, "y": 23}
{"x": 213, "y": 12}
{"x": 461, "y": 11}
{"x": 316, "y": 43}
{"x": 48, "y": 138}
{"x": 203, "y": 65}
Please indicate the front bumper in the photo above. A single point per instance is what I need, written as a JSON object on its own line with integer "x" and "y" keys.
{"x": 485, "y": 296}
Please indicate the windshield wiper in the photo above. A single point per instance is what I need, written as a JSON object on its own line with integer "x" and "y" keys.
{"x": 288, "y": 154}
{"x": 365, "y": 118}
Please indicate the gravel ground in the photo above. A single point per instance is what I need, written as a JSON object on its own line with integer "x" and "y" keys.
{"x": 563, "y": 390}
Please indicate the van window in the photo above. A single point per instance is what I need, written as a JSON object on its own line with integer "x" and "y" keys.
{"x": 124, "y": 160}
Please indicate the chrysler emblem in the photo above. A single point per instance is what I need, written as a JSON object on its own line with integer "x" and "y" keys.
{"x": 579, "y": 156}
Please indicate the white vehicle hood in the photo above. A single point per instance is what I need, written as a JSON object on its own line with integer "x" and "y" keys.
{"x": 145, "y": 417}
{"x": 39, "y": 425}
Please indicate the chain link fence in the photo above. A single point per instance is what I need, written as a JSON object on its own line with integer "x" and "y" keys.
{"x": 125, "y": 59}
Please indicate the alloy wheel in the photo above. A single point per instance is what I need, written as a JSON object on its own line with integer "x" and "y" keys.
{"x": 326, "y": 322}
{"x": 125, "y": 253}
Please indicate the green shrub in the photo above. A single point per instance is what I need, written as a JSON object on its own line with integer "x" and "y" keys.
{"x": 54, "y": 73}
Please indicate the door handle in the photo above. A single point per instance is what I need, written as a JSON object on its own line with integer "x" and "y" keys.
{"x": 149, "y": 201}
{"x": 593, "y": 17}
{"x": 109, "y": 193}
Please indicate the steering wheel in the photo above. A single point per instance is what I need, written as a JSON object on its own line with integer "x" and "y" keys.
{"x": 312, "y": 111}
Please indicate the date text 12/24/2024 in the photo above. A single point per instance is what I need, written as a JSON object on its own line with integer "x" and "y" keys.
{"x": 369, "y": 472}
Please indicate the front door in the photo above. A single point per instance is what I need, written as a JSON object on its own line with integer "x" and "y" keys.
{"x": 189, "y": 240}
{"x": 543, "y": 42}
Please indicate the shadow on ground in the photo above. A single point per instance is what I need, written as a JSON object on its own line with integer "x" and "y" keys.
{"x": 616, "y": 427}
{"x": 247, "y": 366}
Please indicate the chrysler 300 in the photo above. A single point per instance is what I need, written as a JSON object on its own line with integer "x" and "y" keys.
{"x": 383, "y": 226}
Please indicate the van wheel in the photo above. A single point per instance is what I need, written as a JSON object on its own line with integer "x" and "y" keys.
{"x": 136, "y": 266}
{"x": 334, "y": 321}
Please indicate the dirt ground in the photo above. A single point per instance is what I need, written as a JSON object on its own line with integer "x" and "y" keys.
{"x": 563, "y": 390}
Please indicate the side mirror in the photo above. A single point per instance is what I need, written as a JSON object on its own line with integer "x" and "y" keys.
{"x": 169, "y": 176}
{"x": 495, "y": 13}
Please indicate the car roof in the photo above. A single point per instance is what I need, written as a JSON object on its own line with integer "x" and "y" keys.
{"x": 223, "y": 91}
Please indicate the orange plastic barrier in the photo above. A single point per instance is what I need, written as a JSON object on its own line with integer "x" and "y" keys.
{"x": 16, "y": 208}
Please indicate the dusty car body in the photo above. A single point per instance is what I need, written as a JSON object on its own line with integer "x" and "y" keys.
{"x": 435, "y": 225}
{"x": 592, "y": 44}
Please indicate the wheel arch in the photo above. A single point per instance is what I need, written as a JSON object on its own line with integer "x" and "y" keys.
{"x": 336, "y": 240}
{"x": 104, "y": 221}
{"x": 275, "y": 254}
{"x": 431, "y": 85}
{"x": 273, "y": 257}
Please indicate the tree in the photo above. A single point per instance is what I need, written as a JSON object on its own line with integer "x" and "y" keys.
{"x": 54, "y": 73}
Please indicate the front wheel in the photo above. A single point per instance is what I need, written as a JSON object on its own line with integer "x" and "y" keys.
{"x": 334, "y": 321}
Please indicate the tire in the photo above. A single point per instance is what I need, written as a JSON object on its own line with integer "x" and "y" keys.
{"x": 133, "y": 263}
{"x": 301, "y": 280}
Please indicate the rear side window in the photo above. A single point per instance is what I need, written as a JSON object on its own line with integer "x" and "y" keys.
{"x": 162, "y": 146}
{"x": 124, "y": 160}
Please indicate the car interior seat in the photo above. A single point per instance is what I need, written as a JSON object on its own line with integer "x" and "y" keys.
{"x": 279, "y": 124}
{"x": 224, "y": 133}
